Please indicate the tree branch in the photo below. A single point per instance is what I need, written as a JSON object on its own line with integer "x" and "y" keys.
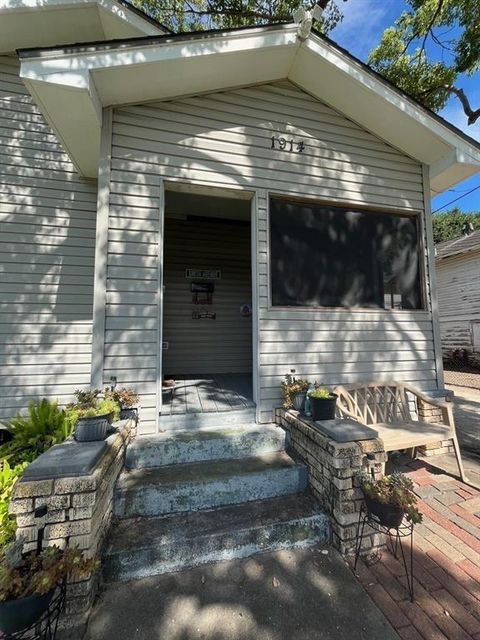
{"x": 472, "y": 115}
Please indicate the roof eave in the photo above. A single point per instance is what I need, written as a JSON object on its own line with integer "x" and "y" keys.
{"x": 123, "y": 75}
{"x": 54, "y": 22}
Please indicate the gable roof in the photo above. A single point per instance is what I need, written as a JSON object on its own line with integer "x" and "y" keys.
{"x": 72, "y": 84}
{"x": 461, "y": 244}
{"x": 43, "y": 23}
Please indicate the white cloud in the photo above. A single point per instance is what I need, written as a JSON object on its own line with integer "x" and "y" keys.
{"x": 362, "y": 26}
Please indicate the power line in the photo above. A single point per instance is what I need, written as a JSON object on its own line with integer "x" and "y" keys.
{"x": 456, "y": 199}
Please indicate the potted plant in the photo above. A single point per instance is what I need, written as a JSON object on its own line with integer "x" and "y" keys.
{"x": 322, "y": 403}
{"x": 390, "y": 499}
{"x": 91, "y": 416}
{"x": 28, "y": 582}
{"x": 127, "y": 400}
{"x": 294, "y": 391}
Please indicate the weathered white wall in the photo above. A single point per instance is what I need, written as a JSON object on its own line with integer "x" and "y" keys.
{"x": 47, "y": 221}
{"x": 458, "y": 286}
{"x": 224, "y": 140}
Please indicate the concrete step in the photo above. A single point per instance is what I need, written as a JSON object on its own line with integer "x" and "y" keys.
{"x": 199, "y": 446}
{"x": 206, "y": 420}
{"x": 150, "y": 546}
{"x": 207, "y": 485}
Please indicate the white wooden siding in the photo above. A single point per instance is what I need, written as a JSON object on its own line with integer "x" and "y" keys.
{"x": 223, "y": 140}
{"x": 458, "y": 286}
{"x": 47, "y": 221}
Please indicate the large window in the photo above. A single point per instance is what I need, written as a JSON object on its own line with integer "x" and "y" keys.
{"x": 323, "y": 256}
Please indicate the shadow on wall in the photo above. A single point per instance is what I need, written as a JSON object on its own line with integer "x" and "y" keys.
{"x": 48, "y": 222}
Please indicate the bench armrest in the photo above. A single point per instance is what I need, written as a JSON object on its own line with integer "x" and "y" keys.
{"x": 446, "y": 407}
{"x": 435, "y": 402}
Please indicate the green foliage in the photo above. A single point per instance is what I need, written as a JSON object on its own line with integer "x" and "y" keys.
{"x": 395, "y": 489}
{"x": 8, "y": 476}
{"x": 86, "y": 397}
{"x": 39, "y": 574}
{"x": 290, "y": 387}
{"x": 43, "y": 426}
{"x": 321, "y": 393}
{"x": 32, "y": 434}
{"x": 404, "y": 53}
{"x": 449, "y": 225}
{"x": 199, "y": 15}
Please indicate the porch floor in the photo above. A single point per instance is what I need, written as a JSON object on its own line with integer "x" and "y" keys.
{"x": 208, "y": 393}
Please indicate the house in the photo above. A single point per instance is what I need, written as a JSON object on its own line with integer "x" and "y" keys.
{"x": 457, "y": 264}
{"x": 219, "y": 208}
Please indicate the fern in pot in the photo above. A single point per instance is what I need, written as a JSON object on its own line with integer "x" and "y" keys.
{"x": 28, "y": 582}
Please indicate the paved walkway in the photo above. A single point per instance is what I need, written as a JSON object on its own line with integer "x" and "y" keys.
{"x": 305, "y": 594}
{"x": 447, "y": 564}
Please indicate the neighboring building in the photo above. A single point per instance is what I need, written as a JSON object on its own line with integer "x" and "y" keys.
{"x": 262, "y": 205}
{"x": 458, "y": 284}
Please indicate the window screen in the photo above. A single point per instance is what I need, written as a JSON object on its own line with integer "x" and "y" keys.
{"x": 322, "y": 256}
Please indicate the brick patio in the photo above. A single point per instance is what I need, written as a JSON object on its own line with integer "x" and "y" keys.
{"x": 447, "y": 564}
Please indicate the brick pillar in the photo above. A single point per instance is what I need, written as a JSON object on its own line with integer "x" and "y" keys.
{"x": 79, "y": 511}
{"x": 333, "y": 469}
{"x": 429, "y": 413}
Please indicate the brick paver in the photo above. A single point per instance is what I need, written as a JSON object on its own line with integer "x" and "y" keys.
{"x": 446, "y": 564}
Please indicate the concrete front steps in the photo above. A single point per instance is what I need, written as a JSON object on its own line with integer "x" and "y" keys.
{"x": 199, "y": 446}
{"x": 152, "y": 546}
{"x": 188, "y": 498}
{"x": 205, "y": 485}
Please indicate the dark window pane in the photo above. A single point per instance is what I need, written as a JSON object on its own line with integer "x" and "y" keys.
{"x": 339, "y": 257}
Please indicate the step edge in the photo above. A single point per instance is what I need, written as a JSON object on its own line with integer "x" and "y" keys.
{"x": 321, "y": 515}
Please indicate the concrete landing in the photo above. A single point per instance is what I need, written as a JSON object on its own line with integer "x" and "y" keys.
{"x": 184, "y": 447}
{"x": 285, "y": 595}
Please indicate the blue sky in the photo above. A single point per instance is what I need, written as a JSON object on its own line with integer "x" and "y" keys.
{"x": 361, "y": 29}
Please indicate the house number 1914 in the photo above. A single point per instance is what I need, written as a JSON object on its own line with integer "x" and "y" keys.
{"x": 284, "y": 144}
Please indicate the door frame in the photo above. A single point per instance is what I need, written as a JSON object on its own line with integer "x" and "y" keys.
{"x": 206, "y": 189}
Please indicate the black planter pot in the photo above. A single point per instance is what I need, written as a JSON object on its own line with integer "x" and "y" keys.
{"x": 390, "y": 515}
{"x": 323, "y": 408}
{"x": 20, "y": 614}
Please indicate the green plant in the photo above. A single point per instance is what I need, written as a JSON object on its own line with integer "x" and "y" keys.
{"x": 290, "y": 387}
{"x": 32, "y": 434}
{"x": 24, "y": 575}
{"x": 395, "y": 489}
{"x": 123, "y": 397}
{"x": 86, "y": 397}
{"x": 8, "y": 476}
{"x": 88, "y": 405}
{"x": 321, "y": 393}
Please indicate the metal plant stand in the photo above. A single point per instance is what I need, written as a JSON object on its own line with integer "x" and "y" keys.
{"x": 45, "y": 628}
{"x": 396, "y": 536}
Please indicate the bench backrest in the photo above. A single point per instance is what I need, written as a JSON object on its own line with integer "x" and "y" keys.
{"x": 373, "y": 403}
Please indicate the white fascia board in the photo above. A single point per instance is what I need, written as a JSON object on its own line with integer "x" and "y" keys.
{"x": 75, "y": 115}
{"x": 44, "y": 23}
{"x": 345, "y": 85}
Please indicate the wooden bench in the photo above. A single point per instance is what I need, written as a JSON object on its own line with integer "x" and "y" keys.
{"x": 389, "y": 408}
